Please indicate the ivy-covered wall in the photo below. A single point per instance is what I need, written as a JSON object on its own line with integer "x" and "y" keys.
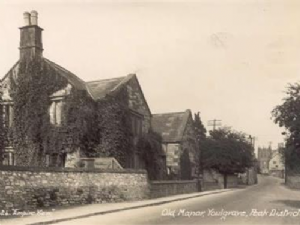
{"x": 97, "y": 128}
{"x": 31, "y": 128}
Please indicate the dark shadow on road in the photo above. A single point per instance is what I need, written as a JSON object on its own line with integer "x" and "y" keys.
{"x": 289, "y": 203}
{"x": 241, "y": 186}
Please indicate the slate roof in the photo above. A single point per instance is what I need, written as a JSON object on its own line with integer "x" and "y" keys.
{"x": 100, "y": 88}
{"x": 72, "y": 78}
{"x": 170, "y": 126}
{"x": 97, "y": 89}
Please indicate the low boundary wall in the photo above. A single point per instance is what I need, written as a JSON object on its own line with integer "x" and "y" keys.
{"x": 293, "y": 181}
{"x": 172, "y": 187}
{"x": 31, "y": 188}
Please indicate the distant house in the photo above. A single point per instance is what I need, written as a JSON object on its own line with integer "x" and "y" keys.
{"x": 127, "y": 89}
{"x": 264, "y": 156}
{"x": 276, "y": 165}
{"x": 179, "y": 142}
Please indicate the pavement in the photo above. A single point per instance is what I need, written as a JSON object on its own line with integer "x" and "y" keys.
{"x": 66, "y": 215}
{"x": 268, "y": 202}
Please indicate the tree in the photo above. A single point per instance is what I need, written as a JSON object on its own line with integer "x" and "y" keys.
{"x": 287, "y": 115}
{"x": 201, "y": 138}
{"x": 185, "y": 165}
{"x": 150, "y": 151}
{"x": 2, "y": 137}
{"x": 199, "y": 127}
{"x": 228, "y": 152}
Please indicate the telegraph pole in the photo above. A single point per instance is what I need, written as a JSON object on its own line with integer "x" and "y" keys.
{"x": 214, "y": 123}
{"x": 252, "y": 141}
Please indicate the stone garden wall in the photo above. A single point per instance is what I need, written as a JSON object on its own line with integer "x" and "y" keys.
{"x": 249, "y": 177}
{"x": 172, "y": 187}
{"x": 293, "y": 181}
{"x": 213, "y": 180}
{"x": 31, "y": 188}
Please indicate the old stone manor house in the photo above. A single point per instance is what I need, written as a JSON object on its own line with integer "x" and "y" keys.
{"x": 31, "y": 46}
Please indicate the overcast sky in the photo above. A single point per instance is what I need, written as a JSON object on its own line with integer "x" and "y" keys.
{"x": 231, "y": 60}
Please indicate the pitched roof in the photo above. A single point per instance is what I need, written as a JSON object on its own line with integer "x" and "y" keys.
{"x": 97, "y": 89}
{"x": 170, "y": 126}
{"x": 72, "y": 78}
{"x": 274, "y": 153}
{"x": 10, "y": 71}
{"x": 100, "y": 88}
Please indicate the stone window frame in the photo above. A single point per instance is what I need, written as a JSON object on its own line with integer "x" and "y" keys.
{"x": 9, "y": 155}
{"x": 7, "y": 113}
{"x": 55, "y": 111}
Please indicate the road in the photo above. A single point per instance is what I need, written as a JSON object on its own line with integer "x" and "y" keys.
{"x": 251, "y": 205}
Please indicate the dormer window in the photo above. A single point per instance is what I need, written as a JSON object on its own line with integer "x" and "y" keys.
{"x": 55, "y": 112}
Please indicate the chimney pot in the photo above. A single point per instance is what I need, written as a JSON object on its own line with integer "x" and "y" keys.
{"x": 34, "y": 17}
{"x": 31, "y": 44}
{"x": 26, "y": 16}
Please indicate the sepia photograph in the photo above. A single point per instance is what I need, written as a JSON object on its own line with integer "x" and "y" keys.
{"x": 149, "y": 112}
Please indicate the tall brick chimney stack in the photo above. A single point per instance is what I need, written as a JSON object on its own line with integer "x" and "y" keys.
{"x": 31, "y": 45}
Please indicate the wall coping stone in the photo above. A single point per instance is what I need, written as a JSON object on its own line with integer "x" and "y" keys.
{"x": 174, "y": 182}
{"x": 68, "y": 170}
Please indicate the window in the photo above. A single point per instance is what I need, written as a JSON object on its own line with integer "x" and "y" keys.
{"x": 55, "y": 111}
{"x": 55, "y": 160}
{"x": 7, "y": 114}
{"x": 137, "y": 124}
{"x": 8, "y": 158}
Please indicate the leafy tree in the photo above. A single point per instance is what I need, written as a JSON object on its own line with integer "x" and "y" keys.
{"x": 185, "y": 165}
{"x": 1, "y": 131}
{"x": 201, "y": 137}
{"x": 199, "y": 127}
{"x": 150, "y": 151}
{"x": 228, "y": 152}
{"x": 287, "y": 115}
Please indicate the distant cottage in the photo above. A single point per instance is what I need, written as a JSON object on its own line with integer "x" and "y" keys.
{"x": 276, "y": 164}
{"x": 179, "y": 142}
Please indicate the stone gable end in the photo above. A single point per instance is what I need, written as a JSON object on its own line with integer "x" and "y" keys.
{"x": 137, "y": 102}
{"x": 189, "y": 140}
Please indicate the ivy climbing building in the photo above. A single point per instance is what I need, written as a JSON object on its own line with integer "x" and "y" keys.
{"x": 51, "y": 117}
